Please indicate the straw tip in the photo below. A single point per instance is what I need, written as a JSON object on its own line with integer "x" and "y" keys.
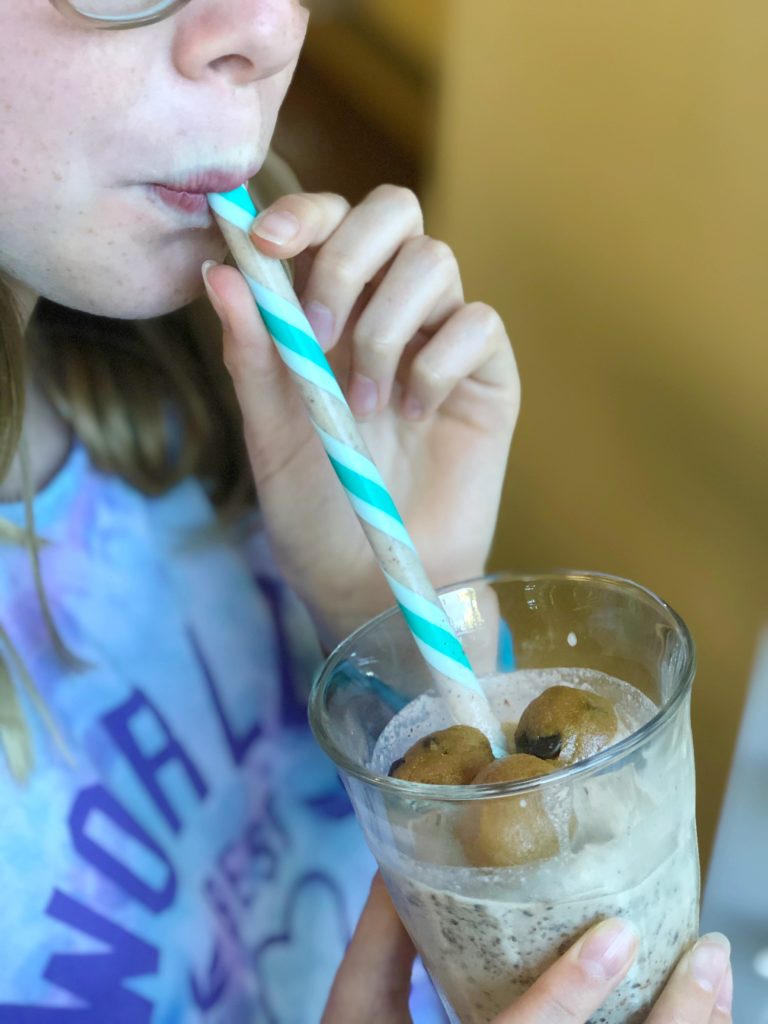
{"x": 239, "y": 198}
{"x": 234, "y": 208}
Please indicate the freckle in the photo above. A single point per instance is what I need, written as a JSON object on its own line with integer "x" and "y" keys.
{"x": 15, "y": 161}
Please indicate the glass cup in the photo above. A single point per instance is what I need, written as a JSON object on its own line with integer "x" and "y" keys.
{"x": 495, "y": 881}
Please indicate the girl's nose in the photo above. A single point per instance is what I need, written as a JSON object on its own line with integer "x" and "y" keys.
{"x": 243, "y": 40}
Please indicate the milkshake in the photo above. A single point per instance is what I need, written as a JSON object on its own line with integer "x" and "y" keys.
{"x": 626, "y": 848}
{"x": 495, "y": 879}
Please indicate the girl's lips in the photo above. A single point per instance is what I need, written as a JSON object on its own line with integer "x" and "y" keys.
{"x": 187, "y": 202}
{"x": 189, "y": 194}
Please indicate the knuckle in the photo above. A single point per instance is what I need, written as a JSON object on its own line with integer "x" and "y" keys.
{"x": 300, "y": 204}
{"x": 375, "y": 343}
{"x": 311, "y": 209}
{"x": 400, "y": 195}
{"x": 244, "y": 360}
{"x": 436, "y": 251}
{"x": 394, "y": 193}
{"x": 230, "y": 364}
{"x": 432, "y": 376}
{"x": 331, "y": 197}
{"x": 559, "y": 1006}
{"x": 515, "y": 393}
{"x": 338, "y": 268}
{"x": 486, "y": 318}
{"x": 237, "y": 362}
{"x": 305, "y": 206}
{"x": 333, "y": 200}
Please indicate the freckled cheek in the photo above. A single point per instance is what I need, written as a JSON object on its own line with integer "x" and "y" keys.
{"x": 37, "y": 154}
{"x": 31, "y": 208}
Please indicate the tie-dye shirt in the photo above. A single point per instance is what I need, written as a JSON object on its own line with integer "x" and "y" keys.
{"x": 197, "y": 859}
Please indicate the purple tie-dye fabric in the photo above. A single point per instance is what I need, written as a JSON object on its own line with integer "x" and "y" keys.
{"x": 199, "y": 861}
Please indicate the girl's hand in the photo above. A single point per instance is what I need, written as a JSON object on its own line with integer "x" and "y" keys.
{"x": 431, "y": 379}
{"x": 373, "y": 982}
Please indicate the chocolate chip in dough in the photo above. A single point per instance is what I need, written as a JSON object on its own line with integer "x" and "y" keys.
{"x": 566, "y": 724}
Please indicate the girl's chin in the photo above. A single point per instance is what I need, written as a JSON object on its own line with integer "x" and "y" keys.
{"x": 150, "y": 281}
{"x": 139, "y": 301}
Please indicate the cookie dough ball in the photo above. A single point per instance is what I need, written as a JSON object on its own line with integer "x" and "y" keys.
{"x": 508, "y": 830}
{"x": 450, "y": 757}
{"x": 566, "y": 725}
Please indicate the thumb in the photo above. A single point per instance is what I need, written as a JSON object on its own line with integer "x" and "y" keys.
{"x": 275, "y": 423}
{"x": 374, "y": 981}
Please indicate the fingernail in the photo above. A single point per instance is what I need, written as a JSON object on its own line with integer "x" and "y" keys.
{"x": 411, "y": 408}
{"x": 608, "y": 949}
{"x": 363, "y": 395}
{"x": 278, "y": 227}
{"x": 724, "y": 1000}
{"x": 322, "y": 322}
{"x": 212, "y": 296}
{"x": 709, "y": 961}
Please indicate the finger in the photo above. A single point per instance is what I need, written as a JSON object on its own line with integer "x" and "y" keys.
{"x": 374, "y": 980}
{"x": 420, "y": 289}
{"x": 722, "y": 1014}
{"x": 473, "y": 344}
{"x": 578, "y": 983}
{"x": 692, "y": 992}
{"x": 273, "y": 419}
{"x": 364, "y": 242}
{"x": 297, "y": 222}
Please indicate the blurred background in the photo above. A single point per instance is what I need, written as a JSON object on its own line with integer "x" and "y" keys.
{"x": 599, "y": 169}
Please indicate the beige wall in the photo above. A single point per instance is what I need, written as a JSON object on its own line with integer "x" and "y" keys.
{"x": 383, "y": 56}
{"x": 601, "y": 170}
{"x": 414, "y": 25}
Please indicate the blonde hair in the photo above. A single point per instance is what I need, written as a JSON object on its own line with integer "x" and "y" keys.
{"x": 151, "y": 401}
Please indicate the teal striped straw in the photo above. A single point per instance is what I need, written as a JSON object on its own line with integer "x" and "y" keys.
{"x": 337, "y": 428}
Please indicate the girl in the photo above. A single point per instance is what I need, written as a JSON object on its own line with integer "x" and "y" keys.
{"x": 173, "y": 847}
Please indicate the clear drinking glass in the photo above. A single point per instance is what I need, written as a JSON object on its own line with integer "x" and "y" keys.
{"x": 619, "y": 828}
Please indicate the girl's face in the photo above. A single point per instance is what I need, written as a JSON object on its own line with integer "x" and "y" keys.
{"x": 94, "y": 124}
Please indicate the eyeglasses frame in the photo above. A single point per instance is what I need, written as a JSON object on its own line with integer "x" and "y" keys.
{"x": 157, "y": 13}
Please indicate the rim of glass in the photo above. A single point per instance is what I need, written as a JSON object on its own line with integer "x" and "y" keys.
{"x": 157, "y": 12}
{"x": 496, "y": 790}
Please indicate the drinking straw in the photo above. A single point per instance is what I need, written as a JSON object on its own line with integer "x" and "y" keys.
{"x": 337, "y": 428}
